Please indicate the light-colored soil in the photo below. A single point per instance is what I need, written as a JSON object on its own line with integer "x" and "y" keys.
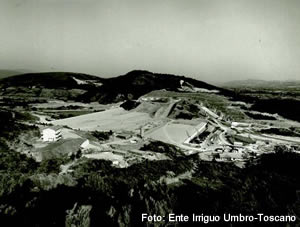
{"x": 69, "y": 134}
{"x": 148, "y": 107}
{"x": 112, "y": 119}
{"x": 105, "y": 155}
{"x": 172, "y": 133}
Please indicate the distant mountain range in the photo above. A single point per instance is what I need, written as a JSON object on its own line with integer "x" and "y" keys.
{"x": 261, "y": 84}
{"x": 88, "y": 88}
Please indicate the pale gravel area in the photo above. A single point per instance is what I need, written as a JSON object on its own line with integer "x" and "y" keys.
{"x": 172, "y": 133}
{"x": 112, "y": 119}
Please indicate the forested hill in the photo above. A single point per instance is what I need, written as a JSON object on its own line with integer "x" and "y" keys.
{"x": 87, "y": 88}
{"x": 137, "y": 83}
{"x": 48, "y": 80}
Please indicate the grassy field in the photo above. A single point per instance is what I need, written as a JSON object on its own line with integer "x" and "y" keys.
{"x": 60, "y": 148}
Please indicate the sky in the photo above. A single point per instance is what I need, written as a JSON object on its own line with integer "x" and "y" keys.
{"x": 210, "y": 40}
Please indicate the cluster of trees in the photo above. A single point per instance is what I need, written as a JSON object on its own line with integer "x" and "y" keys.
{"x": 130, "y": 104}
{"x": 101, "y": 135}
{"x": 185, "y": 109}
{"x": 114, "y": 197}
{"x": 285, "y": 107}
{"x": 161, "y": 147}
{"x": 281, "y": 131}
{"x": 10, "y": 127}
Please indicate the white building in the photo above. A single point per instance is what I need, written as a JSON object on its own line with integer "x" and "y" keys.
{"x": 240, "y": 124}
{"x": 238, "y": 144}
{"x": 209, "y": 112}
{"x": 51, "y": 134}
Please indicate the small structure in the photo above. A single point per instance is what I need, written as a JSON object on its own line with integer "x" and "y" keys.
{"x": 232, "y": 156}
{"x": 240, "y": 124}
{"x": 51, "y": 134}
{"x": 142, "y": 132}
{"x": 85, "y": 144}
{"x": 116, "y": 162}
{"x": 144, "y": 99}
{"x": 133, "y": 141}
{"x": 210, "y": 113}
{"x": 124, "y": 135}
{"x": 238, "y": 143}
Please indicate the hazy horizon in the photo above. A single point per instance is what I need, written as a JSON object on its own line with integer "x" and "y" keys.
{"x": 210, "y": 40}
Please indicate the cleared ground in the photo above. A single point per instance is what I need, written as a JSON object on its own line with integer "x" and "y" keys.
{"x": 105, "y": 155}
{"x": 173, "y": 132}
{"x": 112, "y": 119}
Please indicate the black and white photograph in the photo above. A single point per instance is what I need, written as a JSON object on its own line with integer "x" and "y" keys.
{"x": 154, "y": 113}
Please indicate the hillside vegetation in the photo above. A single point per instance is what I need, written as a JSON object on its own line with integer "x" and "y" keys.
{"x": 64, "y": 86}
{"x": 118, "y": 197}
{"x": 46, "y": 80}
{"x": 97, "y": 194}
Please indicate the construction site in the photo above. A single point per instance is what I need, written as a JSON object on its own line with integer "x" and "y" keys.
{"x": 119, "y": 135}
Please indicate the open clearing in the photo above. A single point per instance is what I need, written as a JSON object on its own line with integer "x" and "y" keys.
{"x": 112, "y": 119}
{"x": 172, "y": 132}
{"x": 105, "y": 155}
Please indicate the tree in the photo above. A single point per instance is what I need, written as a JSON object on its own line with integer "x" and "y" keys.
{"x": 280, "y": 149}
